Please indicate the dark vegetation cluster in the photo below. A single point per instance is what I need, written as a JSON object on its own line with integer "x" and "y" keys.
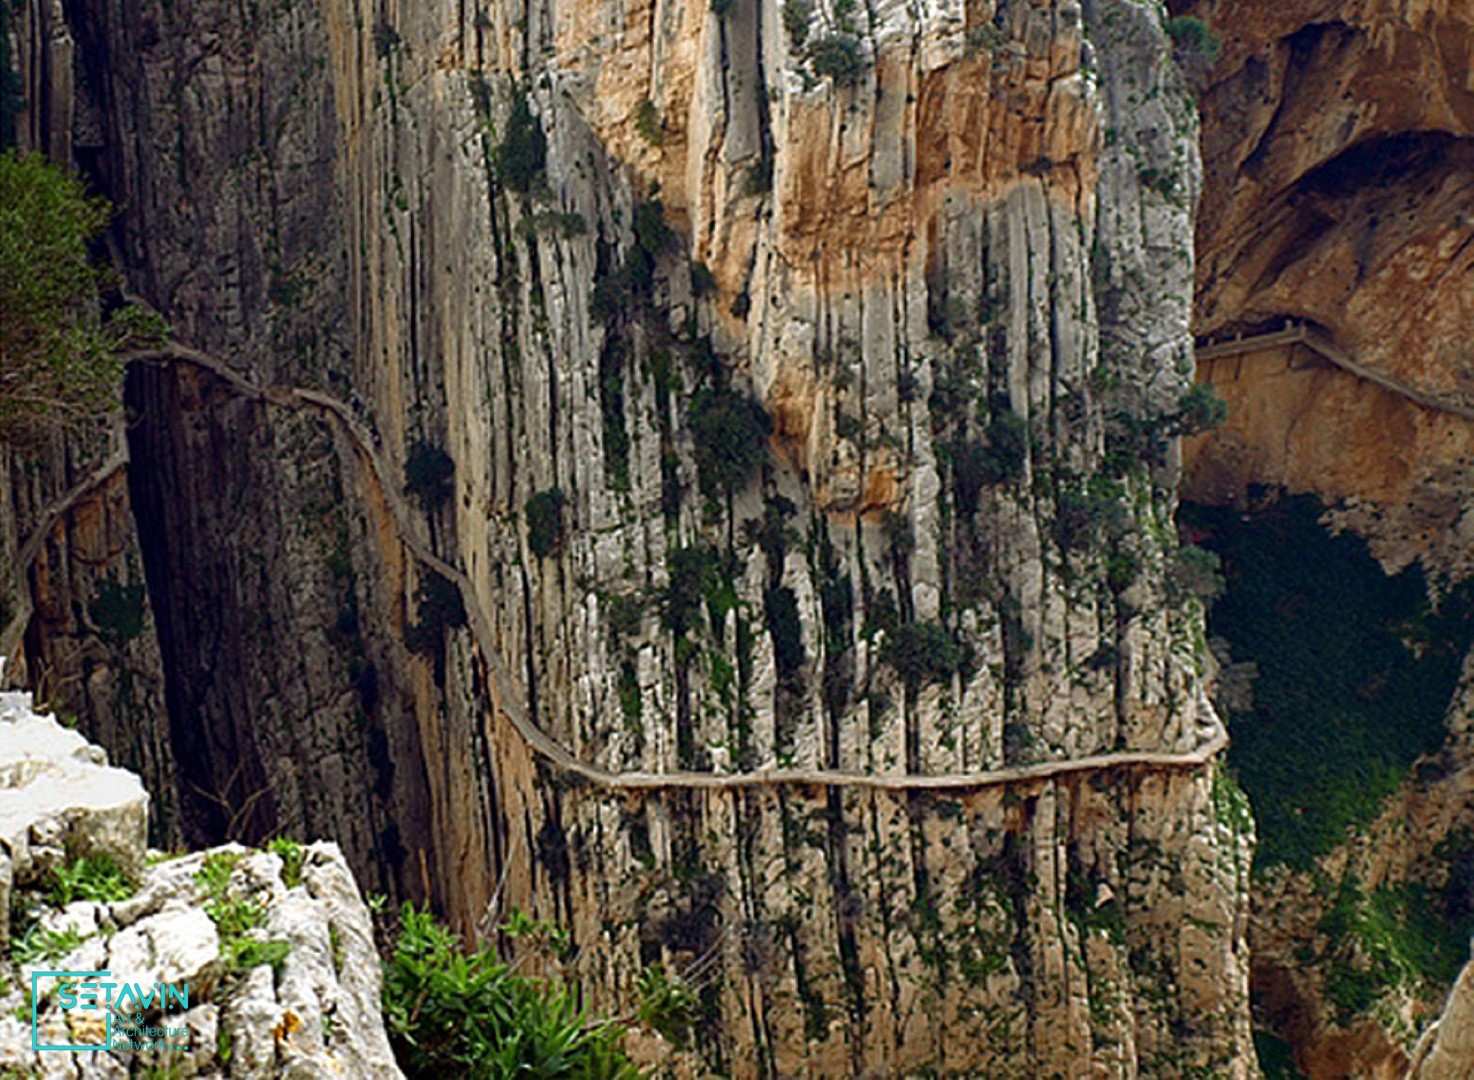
{"x": 835, "y": 52}
{"x": 1356, "y": 670}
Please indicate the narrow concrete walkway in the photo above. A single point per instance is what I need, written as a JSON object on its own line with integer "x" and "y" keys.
{"x": 1296, "y": 333}
{"x": 510, "y": 705}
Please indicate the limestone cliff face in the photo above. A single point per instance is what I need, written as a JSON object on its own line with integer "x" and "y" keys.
{"x": 946, "y": 249}
{"x": 1336, "y": 149}
{"x": 1337, "y": 146}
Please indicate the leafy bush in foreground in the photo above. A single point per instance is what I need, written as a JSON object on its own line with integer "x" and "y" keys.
{"x": 59, "y": 359}
{"x": 456, "y": 1013}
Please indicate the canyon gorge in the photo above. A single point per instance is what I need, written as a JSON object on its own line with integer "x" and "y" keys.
{"x": 706, "y": 474}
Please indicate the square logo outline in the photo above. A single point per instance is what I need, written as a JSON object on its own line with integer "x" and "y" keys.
{"x": 35, "y": 1004}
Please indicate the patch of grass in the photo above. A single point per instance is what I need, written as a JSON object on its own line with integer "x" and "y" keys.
{"x": 1356, "y": 671}
{"x": 236, "y": 918}
{"x": 290, "y": 853}
{"x": 93, "y": 877}
{"x": 40, "y": 944}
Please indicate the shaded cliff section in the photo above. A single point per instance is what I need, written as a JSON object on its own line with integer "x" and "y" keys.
{"x": 1337, "y": 193}
{"x": 954, "y": 278}
{"x": 201, "y": 555}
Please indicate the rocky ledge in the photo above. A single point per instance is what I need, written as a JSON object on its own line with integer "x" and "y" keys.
{"x": 276, "y": 946}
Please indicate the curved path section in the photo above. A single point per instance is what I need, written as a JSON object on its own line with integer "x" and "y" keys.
{"x": 538, "y": 739}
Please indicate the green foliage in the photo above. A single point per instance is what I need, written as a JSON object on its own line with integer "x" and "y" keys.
{"x": 58, "y": 355}
{"x": 117, "y": 610}
{"x": 720, "y": 8}
{"x": 837, "y": 56}
{"x": 290, "y": 853}
{"x": 1192, "y": 35}
{"x": 1085, "y": 512}
{"x": 441, "y": 608}
{"x": 451, "y": 1012}
{"x": 213, "y": 876}
{"x": 1194, "y": 571}
{"x": 666, "y": 1004}
{"x": 1230, "y": 804}
{"x": 731, "y": 431}
{"x": 545, "y": 521}
{"x": 693, "y": 575}
{"x": 1393, "y": 936}
{"x": 428, "y": 474}
{"x": 921, "y": 652}
{"x": 39, "y": 945}
{"x": 1276, "y": 1059}
{"x": 796, "y": 17}
{"x": 781, "y": 607}
{"x": 1355, "y": 672}
{"x": 652, "y": 234}
{"x": 998, "y": 460}
{"x": 1199, "y": 410}
{"x": 92, "y": 877}
{"x": 523, "y": 152}
{"x": 236, "y": 919}
{"x": 648, "y": 125}
{"x": 1008, "y": 446}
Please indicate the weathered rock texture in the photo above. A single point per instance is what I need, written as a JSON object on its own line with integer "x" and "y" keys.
{"x": 1337, "y": 143}
{"x": 314, "y": 1013}
{"x": 1338, "y": 140}
{"x": 1446, "y": 1050}
{"x": 955, "y": 271}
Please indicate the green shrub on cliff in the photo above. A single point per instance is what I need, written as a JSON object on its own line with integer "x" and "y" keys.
{"x": 1356, "y": 670}
{"x": 545, "y": 521}
{"x": 453, "y": 1012}
{"x": 429, "y": 473}
{"x": 837, "y": 56}
{"x": 1191, "y": 35}
{"x": 922, "y": 652}
{"x": 59, "y": 359}
{"x": 524, "y": 148}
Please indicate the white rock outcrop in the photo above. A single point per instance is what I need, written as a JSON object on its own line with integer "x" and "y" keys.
{"x": 277, "y": 949}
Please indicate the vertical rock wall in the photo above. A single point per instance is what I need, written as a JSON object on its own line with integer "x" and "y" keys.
{"x": 946, "y": 248}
